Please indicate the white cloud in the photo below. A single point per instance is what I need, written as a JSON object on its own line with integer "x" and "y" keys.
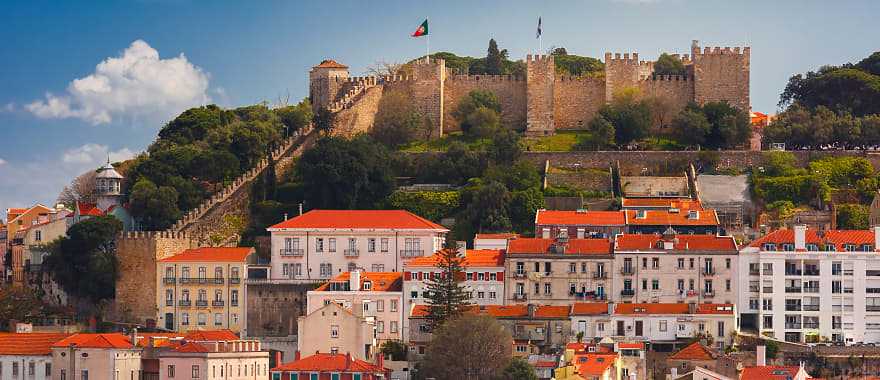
{"x": 8, "y": 107}
{"x": 135, "y": 84}
{"x": 2, "y": 162}
{"x": 95, "y": 154}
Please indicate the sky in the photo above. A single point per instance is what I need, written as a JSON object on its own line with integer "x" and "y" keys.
{"x": 84, "y": 80}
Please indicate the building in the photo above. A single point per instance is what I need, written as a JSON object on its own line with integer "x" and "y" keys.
{"x": 597, "y": 366}
{"x": 108, "y": 199}
{"x": 664, "y": 204}
{"x": 27, "y": 355}
{"x": 96, "y": 357}
{"x": 698, "y": 373}
{"x": 493, "y": 241}
{"x": 579, "y": 223}
{"x": 655, "y": 187}
{"x": 335, "y": 329}
{"x": 874, "y": 215}
{"x": 729, "y": 196}
{"x": 483, "y": 271}
{"x": 203, "y": 288}
{"x": 558, "y": 271}
{"x": 220, "y": 357}
{"x": 34, "y": 247}
{"x": 16, "y": 220}
{"x": 672, "y": 268}
{"x": 378, "y": 295}
{"x": 321, "y": 244}
{"x": 700, "y": 222}
{"x": 774, "y": 372}
{"x": 696, "y": 357}
{"x": 804, "y": 285}
{"x": 331, "y": 366}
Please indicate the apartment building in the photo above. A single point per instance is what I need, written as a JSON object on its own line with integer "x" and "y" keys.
{"x": 335, "y": 329}
{"x": 579, "y": 223}
{"x": 228, "y": 359}
{"x": 321, "y": 244}
{"x": 483, "y": 270}
{"x": 661, "y": 204}
{"x": 493, "y": 241}
{"x": 203, "y": 288}
{"x": 27, "y": 355}
{"x": 804, "y": 285}
{"x": 672, "y": 268}
{"x": 377, "y": 296}
{"x": 683, "y": 221}
{"x": 330, "y": 366}
{"x": 96, "y": 357}
{"x": 558, "y": 271}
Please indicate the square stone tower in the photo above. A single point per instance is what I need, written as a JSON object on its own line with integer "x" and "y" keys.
{"x": 540, "y": 78}
{"x": 721, "y": 74}
{"x": 325, "y": 82}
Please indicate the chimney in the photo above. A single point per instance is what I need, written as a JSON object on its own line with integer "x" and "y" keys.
{"x": 347, "y": 360}
{"x": 300, "y": 209}
{"x": 800, "y": 237}
{"x": 296, "y": 356}
{"x": 354, "y": 280}
{"x": 545, "y": 233}
{"x": 134, "y": 334}
{"x": 285, "y": 216}
{"x": 580, "y": 233}
{"x": 876, "y": 238}
{"x": 278, "y": 358}
{"x": 761, "y": 356}
{"x": 461, "y": 246}
{"x": 673, "y": 371}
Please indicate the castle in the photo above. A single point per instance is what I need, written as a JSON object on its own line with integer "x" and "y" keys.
{"x": 542, "y": 102}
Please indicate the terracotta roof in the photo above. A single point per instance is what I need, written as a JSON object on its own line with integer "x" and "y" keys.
{"x": 594, "y": 364}
{"x": 330, "y": 363}
{"x": 472, "y": 258}
{"x": 588, "y": 218}
{"x": 666, "y": 218}
{"x": 715, "y": 308}
{"x": 651, "y": 308}
{"x": 506, "y": 235}
{"x": 769, "y": 372}
{"x": 552, "y": 311}
{"x": 545, "y": 364}
{"x": 650, "y": 242}
{"x": 694, "y": 351}
{"x": 114, "y": 340}
{"x": 210, "y": 335}
{"x": 88, "y": 209}
{"x": 360, "y": 219}
{"x": 574, "y": 246}
{"x": 211, "y": 254}
{"x": 836, "y": 237}
{"x": 29, "y": 343}
{"x": 16, "y": 210}
{"x": 505, "y": 311}
{"x": 379, "y": 281}
{"x": 663, "y": 203}
{"x": 331, "y": 64}
{"x": 592, "y": 308}
{"x": 631, "y": 346}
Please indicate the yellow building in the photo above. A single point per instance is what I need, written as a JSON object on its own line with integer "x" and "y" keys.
{"x": 203, "y": 289}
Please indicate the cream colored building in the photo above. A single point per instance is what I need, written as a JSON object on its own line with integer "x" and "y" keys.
{"x": 673, "y": 268}
{"x": 335, "y": 329}
{"x": 558, "y": 271}
{"x": 96, "y": 357}
{"x": 203, "y": 288}
{"x": 228, "y": 360}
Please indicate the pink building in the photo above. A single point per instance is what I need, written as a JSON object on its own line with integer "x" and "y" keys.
{"x": 331, "y": 367}
{"x": 213, "y": 355}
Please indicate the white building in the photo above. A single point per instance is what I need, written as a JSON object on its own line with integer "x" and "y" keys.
{"x": 27, "y": 355}
{"x": 803, "y": 285}
{"x": 223, "y": 359}
{"x": 493, "y": 241}
{"x": 335, "y": 329}
{"x": 96, "y": 357}
{"x": 321, "y": 244}
{"x": 377, "y": 296}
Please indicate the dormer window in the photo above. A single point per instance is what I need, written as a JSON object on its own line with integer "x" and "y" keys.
{"x": 769, "y": 247}
{"x": 693, "y": 214}
{"x": 788, "y": 247}
{"x": 641, "y": 214}
{"x": 368, "y": 285}
{"x": 829, "y": 247}
{"x": 867, "y": 248}
{"x": 812, "y": 247}
{"x": 849, "y": 247}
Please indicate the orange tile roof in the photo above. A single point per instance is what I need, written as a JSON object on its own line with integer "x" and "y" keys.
{"x": 715, "y": 308}
{"x": 114, "y": 340}
{"x": 211, "y": 254}
{"x": 16, "y": 210}
{"x": 679, "y": 203}
{"x": 589, "y": 308}
{"x": 29, "y": 343}
{"x": 666, "y": 218}
{"x": 580, "y": 218}
{"x": 769, "y": 372}
{"x": 836, "y": 237}
{"x": 88, "y": 209}
{"x": 210, "y": 335}
{"x": 506, "y": 235}
{"x": 331, "y": 64}
{"x": 192, "y": 347}
{"x": 360, "y": 219}
{"x": 651, "y": 308}
{"x": 472, "y": 258}
{"x": 552, "y": 311}
{"x": 505, "y": 311}
{"x": 379, "y": 281}
{"x": 330, "y": 363}
{"x": 545, "y": 364}
{"x": 649, "y": 242}
{"x": 574, "y": 246}
{"x": 631, "y": 346}
{"x": 694, "y": 351}
{"x": 594, "y": 364}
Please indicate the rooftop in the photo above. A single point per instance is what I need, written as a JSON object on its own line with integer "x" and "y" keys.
{"x": 359, "y": 219}
{"x": 330, "y": 363}
{"x": 652, "y": 242}
{"x": 83, "y": 340}
{"x": 331, "y": 64}
{"x": 770, "y": 372}
{"x": 210, "y": 335}
{"x": 580, "y": 217}
{"x": 592, "y": 308}
{"x": 573, "y": 247}
{"x": 88, "y": 209}
{"x": 594, "y": 364}
{"x": 505, "y": 235}
{"x": 669, "y": 218}
{"x": 719, "y": 189}
{"x": 822, "y": 240}
{"x": 671, "y": 308}
{"x": 505, "y": 311}
{"x": 662, "y": 203}
{"x": 211, "y": 254}
{"x": 649, "y": 186}
{"x": 379, "y": 282}
{"x": 29, "y": 343}
{"x": 472, "y": 258}
{"x": 694, "y": 351}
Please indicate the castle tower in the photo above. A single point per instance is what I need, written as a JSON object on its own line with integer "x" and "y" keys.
{"x": 325, "y": 82}
{"x": 428, "y": 91}
{"x": 540, "y": 79}
{"x": 108, "y": 185}
{"x": 621, "y": 72}
{"x": 721, "y": 75}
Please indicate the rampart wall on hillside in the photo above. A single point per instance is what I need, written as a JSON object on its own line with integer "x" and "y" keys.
{"x": 510, "y": 90}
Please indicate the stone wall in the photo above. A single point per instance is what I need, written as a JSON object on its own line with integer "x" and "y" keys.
{"x": 511, "y": 92}
{"x": 722, "y": 75}
{"x": 677, "y": 91}
{"x": 576, "y": 101}
{"x": 594, "y": 180}
{"x": 428, "y": 89}
{"x": 359, "y": 117}
{"x": 272, "y": 309}
{"x": 540, "y": 78}
{"x": 621, "y": 72}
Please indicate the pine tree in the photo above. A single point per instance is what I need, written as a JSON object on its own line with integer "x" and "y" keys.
{"x": 447, "y": 297}
{"x": 494, "y": 59}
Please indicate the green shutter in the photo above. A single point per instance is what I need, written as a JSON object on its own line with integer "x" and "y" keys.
{"x": 276, "y": 376}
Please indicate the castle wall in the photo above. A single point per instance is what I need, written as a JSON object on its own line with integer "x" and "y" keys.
{"x": 360, "y": 116}
{"x": 540, "y": 78}
{"x": 722, "y": 75}
{"x": 272, "y": 309}
{"x": 428, "y": 90}
{"x": 511, "y": 92}
{"x": 577, "y": 100}
{"x": 622, "y": 72}
{"x": 676, "y": 90}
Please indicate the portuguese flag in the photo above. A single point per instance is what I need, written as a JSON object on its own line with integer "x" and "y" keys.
{"x": 422, "y": 30}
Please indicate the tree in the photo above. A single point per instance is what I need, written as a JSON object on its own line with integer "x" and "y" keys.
{"x": 447, "y": 297}
{"x": 471, "y": 104}
{"x": 575, "y": 65}
{"x": 668, "y": 65}
{"x": 601, "y": 133}
{"x": 338, "y": 173}
{"x": 469, "y": 347}
{"x": 397, "y": 121}
{"x": 394, "y": 350}
{"x": 84, "y": 262}
{"x": 772, "y": 349}
{"x": 19, "y": 304}
{"x": 853, "y": 217}
{"x": 852, "y": 88}
{"x": 519, "y": 369}
{"x": 495, "y": 58}
{"x": 155, "y": 207}
{"x": 630, "y": 117}
{"x": 730, "y": 126}
{"x": 81, "y": 189}
{"x": 690, "y": 127}
{"x": 483, "y": 122}
{"x": 505, "y": 147}
{"x": 779, "y": 164}
{"x": 296, "y": 117}
{"x": 486, "y": 207}
{"x": 323, "y": 121}
{"x": 523, "y": 206}
{"x": 456, "y": 166}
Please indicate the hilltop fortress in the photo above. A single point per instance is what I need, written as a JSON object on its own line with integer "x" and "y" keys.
{"x": 542, "y": 102}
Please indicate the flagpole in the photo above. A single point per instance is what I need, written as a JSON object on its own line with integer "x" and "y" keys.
{"x": 428, "y": 43}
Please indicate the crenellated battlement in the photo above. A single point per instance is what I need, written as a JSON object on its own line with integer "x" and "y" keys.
{"x": 579, "y": 78}
{"x": 150, "y": 235}
{"x": 669, "y": 78}
{"x": 486, "y": 78}
{"x": 538, "y": 58}
{"x": 622, "y": 59}
{"x": 716, "y": 50}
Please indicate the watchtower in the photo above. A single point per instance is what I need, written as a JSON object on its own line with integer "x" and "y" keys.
{"x": 325, "y": 82}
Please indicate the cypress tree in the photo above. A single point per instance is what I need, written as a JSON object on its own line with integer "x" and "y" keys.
{"x": 494, "y": 59}
{"x": 447, "y": 297}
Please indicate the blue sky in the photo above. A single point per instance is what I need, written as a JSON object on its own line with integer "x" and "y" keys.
{"x": 243, "y": 52}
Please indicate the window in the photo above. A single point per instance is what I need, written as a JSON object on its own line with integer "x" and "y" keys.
{"x": 644, "y": 263}
{"x": 547, "y": 269}
{"x": 584, "y": 267}
{"x": 481, "y": 295}
{"x": 492, "y": 295}
{"x": 297, "y": 270}
{"x": 378, "y": 267}
{"x": 233, "y": 298}
{"x": 63, "y": 375}
{"x": 218, "y": 272}
{"x": 331, "y": 243}
{"x": 655, "y": 284}
{"x": 285, "y": 271}
{"x": 691, "y": 263}
{"x": 84, "y": 374}
{"x": 537, "y": 288}
{"x": 767, "y": 304}
{"x": 326, "y": 269}
{"x": 233, "y": 273}
{"x": 195, "y": 372}
{"x": 48, "y": 369}
{"x": 768, "y": 322}
{"x": 380, "y": 305}
{"x": 169, "y": 297}
{"x": 383, "y": 244}
{"x": 662, "y": 326}
{"x": 600, "y": 326}
{"x": 655, "y": 263}
{"x": 14, "y": 369}
{"x": 38, "y": 235}
{"x": 203, "y": 272}
{"x": 203, "y": 295}
{"x": 720, "y": 329}
{"x": 644, "y": 284}
{"x": 493, "y": 276}
{"x": 627, "y": 284}
{"x": 547, "y": 288}
{"x": 393, "y": 327}
{"x": 184, "y": 319}
{"x": 380, "y": 327}
{"x": 680, "y": 285}
{"x": 727, "y": 285}
{"x": 537, "y": 267}
{"x": 334, "y": 331}
{"x": 352, "y": 267}
{"x": 681, "y": 263}
{"x": 572, "y": 268}
{"x": 319, "y": 244}
{"x": 371, "y": 245}
{"x": 218, "y": 295}
{"x": 218, "y": 319}
{"x": 203, "y": 319}
{"x": 184, "y": 272}
{"x": 171, "y": 370}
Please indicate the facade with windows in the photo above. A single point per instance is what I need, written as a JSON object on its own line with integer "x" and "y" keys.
{"x": 579, "y": 224}
{"x": 328, "y": 366}
{"x": 96, "y": 357}
{"x": 224, "y": 359}
{"x": 321, "y": 244}
{"x": 27, "y": 355}
{"x": 376, "y": 296}
{"x": 335, "y": 329}
{"x": 558, "y": 271}
{"x": 673, "y": 268}
{"x": 804, "y": 285}
{"x": 203, "y": 289}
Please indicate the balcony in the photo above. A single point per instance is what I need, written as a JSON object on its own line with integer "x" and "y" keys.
{"x": 234, "y": 280}
{"x": 768, "y": 272}
{"x": 792, "y": 307}
{"x": 217, "y": 303}
{"x": 792, "y": 289}
{"x": 793, "y": 272}
{"x": 811, "y": 289}
{"x": 233, "y": 303}
{"x": 600, "y": 275}
{"x": 708, "y": 294}
{"x": 792, "y": 325}
{"x": 767, "y": 289}
{"x": 754, "y": 288}
{"x": 169, "y": 302}
{"x": 626, "y": 271}
{"x": 811, "y": 307}
{"x": 290, "y": 252}
{"x": 708, "y": 271}
{"x": 351, "y": 252}
{"x": 627, "y": 293}
{"x": 754, "y": 272}
{"x": 811, "y": 325}
{"x": 519, "y": 296}
{"x": 411, "y": 253}
{"x": 201, "y": 303}
{"x": 811, "y": 272}
{"x": 169, "y": 280}
{"x": 185, "y": 303}
{"x": 519, "y": 274}
{"x": 872, "y": 308}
